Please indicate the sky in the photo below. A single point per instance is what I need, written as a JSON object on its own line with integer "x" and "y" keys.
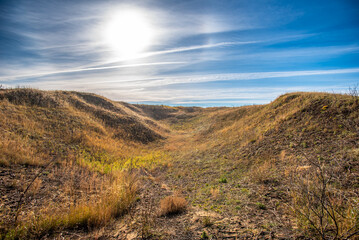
{"x": 190, "y": 53}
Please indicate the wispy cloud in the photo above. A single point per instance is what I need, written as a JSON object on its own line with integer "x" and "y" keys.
{"x": 146, "y": 88}
{"x": 305, "y": 52}
{"x": 201, "y": 51}
{"x": 213, "y": 97}
{"x": 167, "y": 80}
{"x": 7, "y": 78}
{"x": 196, "y": 47}
{"x": 102, "y": 65}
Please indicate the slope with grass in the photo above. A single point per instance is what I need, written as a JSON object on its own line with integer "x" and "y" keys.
{"x": 285, "y": 169}
{"x": 64, "y": 156}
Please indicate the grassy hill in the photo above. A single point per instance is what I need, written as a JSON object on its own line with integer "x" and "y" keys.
{"x": 77, "y": 162}
{"x": 297, "y": 156}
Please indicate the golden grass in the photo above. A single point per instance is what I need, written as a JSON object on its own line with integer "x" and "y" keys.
{"x": 97, "y": 139}
{"x": 173, "y": 205}
{"x": 109, "y": 204}
{"x": 215, "y": 192}
{"x": 259, "y": 146}
{"x": 35, "y": 125}
{"x": 15, "y": 151}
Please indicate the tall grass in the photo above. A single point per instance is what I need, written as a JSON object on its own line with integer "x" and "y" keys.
{"x": 92, "y": 165}
{"x": 108, "y": 205}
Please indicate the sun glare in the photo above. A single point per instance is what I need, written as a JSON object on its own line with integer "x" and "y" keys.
{"x": 128, "y": 33}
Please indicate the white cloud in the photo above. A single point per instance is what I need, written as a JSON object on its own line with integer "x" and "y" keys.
{"x": 100, "y": 65}
{"x": 237, "y": 77}
{"x": 41, "y": 74}
{"x": 233, "y": 96}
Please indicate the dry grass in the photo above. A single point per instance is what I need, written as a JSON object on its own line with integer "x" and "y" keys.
{"x": 108, "y": 204}
{"x": 13, "y": 150}
{"x": 259, "y": 146}
{"x": 87, "y": 186}
{"x": 265, "y": 173}
{"x": 35, "y": 187}
{"x": 254, "y": 147}
{"x": 215, "y": 192}
{"x": 173, "y": 205}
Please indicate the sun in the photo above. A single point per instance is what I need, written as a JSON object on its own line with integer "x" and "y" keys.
{"x": 128, "y": 33}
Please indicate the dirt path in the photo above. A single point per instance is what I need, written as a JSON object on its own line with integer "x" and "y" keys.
{"x": 144, "y": 221}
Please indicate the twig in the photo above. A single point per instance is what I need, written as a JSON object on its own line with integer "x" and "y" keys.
{"x": 19, "y": 203}
{"x": 353, "y": 234}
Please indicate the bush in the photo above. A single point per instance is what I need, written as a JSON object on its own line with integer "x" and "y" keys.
{"x": 261, "y": 206}
{"x": 322, "y": 206}
{"x": 173, "y": 205}
{"x": 223, "y": 180}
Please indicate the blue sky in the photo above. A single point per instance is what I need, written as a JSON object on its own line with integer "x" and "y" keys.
{"x": 202, "y": 53}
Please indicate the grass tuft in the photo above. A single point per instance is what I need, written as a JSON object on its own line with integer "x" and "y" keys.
{"x": 173, "y": 205}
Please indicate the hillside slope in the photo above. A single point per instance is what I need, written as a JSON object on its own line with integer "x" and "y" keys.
{"x": 62, "y": 153}
{"x": 287, "y": 169}
{"x": 254, "y": 162}
{"x": 123, "y": 119}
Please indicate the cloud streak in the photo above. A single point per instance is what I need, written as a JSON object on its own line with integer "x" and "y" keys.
{"x": 215, "y": 97}
{"x": 239, "y": 76}
{"x": 15, "y": 77}
{"x": 100, "y": 66}
{"x": 197, "y": 47}
{"x": 201, "y": 51}
{"x": 181, "y": 49}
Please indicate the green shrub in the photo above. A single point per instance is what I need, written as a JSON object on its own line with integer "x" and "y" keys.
{"x": 261, "y": 206}
{"x": 204, "y": 235}
{"x": 223, "y": 180}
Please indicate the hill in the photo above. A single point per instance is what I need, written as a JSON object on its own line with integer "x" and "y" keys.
{"x": 297, "y": 156}
{"x": 75, "y": 162}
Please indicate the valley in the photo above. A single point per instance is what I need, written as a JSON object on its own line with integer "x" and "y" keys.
{"x": 79, "y": 166}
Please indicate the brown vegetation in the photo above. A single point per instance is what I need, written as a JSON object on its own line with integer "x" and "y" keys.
{"x": 73, "y": 160}
{"x": 173, "y": 205}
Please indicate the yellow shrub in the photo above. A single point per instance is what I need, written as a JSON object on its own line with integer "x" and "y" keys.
{"x": 173, "y": 205}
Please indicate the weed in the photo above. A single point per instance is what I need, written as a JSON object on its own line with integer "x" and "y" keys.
{"x": 146, "y": 222}
{"x": 245, "y": 191}
{"x": 261, "y": 206}
{"x": 223, "y": 180}
{"x": 204, "y": 235}
{"x": 207, "y": 221}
